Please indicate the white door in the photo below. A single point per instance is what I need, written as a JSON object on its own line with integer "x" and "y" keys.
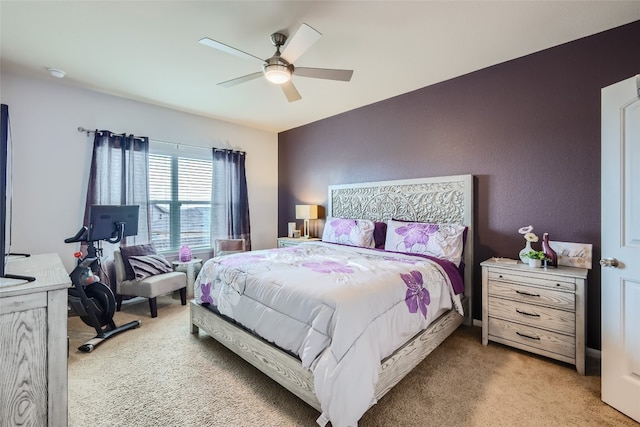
{"x": 621, "y": 246}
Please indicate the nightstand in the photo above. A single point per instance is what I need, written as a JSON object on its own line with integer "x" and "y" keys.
{"x": 283, "y": 242}
{"x": 536, "y": 310}
{"x": 191, "y": 268}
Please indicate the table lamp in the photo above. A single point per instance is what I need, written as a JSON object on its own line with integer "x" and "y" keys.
{"x": 306, "y": 212}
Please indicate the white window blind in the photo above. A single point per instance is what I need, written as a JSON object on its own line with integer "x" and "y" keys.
{"x": 180, "y": 196}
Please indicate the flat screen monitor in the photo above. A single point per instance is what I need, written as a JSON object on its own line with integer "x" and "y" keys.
{"x": 112, "y": 222}
{"x": 5, "y": 202}
{"x": 5, "y": 192}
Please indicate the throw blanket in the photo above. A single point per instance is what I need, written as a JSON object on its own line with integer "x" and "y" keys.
{"x": 340, "y": 309}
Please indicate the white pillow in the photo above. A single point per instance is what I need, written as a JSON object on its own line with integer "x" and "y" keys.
{"x": 352, "y": 232}
{"x": 444, "y": 241}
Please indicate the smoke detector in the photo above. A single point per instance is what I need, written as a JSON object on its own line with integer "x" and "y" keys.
{"x": 56, "y": 73}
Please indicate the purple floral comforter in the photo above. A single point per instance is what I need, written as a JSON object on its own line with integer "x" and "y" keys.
{"x": 341, "y": 309}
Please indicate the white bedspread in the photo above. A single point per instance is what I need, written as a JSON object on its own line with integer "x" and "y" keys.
{"x": 340, "y": 309}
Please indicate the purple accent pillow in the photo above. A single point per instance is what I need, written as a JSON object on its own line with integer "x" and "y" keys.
{"x": 137, "y": 250}
{"x": 379, "y": 234}
{"x": 445, "y": 241}
{"x": 351, "y": 232}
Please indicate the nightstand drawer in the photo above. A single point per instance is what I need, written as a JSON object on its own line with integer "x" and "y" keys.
{"x": 533, "y": 315}
{"x": 536, "y": 338}
{"x": 536, "y": 279}
{"x": 531, "y": 295}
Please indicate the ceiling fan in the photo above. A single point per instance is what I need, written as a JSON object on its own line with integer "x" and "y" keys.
{"x": 279, "y": 68}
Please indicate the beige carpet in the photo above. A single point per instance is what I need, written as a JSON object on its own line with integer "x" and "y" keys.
{"x": 162, "y": 375}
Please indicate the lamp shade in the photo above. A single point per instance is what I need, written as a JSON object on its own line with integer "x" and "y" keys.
{"x": 306, "y": 211}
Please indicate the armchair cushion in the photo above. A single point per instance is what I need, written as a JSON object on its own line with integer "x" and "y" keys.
{"x": 149, "y": 265}
{"x": 154, "y": 286}
{"x": 128, "y": 251}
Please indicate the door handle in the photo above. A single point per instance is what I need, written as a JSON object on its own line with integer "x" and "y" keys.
{"x": 609, "y": 262}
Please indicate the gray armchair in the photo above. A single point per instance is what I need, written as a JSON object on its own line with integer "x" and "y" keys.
{"x": 228, "y": 246}
{"x": 149, "y": 287}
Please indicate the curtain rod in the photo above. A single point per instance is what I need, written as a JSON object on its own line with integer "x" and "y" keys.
{"x": 89, "y": 131}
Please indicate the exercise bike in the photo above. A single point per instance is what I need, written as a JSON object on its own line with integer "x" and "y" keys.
{"x": 90, "y": 299}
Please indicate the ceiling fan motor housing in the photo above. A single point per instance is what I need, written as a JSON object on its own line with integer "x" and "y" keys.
{"x": 277, "y": 60}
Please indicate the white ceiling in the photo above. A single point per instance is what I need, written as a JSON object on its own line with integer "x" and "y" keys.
{"x": 149, "y": 50}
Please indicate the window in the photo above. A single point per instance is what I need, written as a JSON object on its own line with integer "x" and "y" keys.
{"x": 179, "y": 196}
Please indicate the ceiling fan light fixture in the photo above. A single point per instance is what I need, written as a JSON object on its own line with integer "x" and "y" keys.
{"x": 277, "y": 73}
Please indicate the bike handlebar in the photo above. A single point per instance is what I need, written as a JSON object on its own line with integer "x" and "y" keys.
{"x": 81, "y": 236}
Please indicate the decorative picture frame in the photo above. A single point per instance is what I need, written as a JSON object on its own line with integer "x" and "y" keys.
{"x": 573, "y": 254}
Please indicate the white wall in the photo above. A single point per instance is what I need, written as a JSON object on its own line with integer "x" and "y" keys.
{"x": 51, "y": 158}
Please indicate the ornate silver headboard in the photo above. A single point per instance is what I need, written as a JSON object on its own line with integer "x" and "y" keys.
{"x": 446, "y": 199}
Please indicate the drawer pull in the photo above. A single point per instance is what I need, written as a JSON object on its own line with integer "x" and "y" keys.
{"x": 527, "y": 294}
{"x": 527, "y": 314}
{"x": 527, "y": 336}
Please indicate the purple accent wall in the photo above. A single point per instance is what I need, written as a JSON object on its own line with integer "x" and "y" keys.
{"x": 527, "y": 129}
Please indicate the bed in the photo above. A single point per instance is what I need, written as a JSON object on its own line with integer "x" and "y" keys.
{"x": 314, "y": 367}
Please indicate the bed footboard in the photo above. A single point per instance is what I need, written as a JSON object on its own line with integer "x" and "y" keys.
{"x": 402, "y": 361}
{"x": 288, "y": 371}
{"x": 278, "y": 365}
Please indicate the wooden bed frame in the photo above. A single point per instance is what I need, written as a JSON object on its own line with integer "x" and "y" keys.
{"x": 439, "y": 200}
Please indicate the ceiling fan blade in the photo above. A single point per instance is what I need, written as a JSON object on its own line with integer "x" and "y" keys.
{"x": 324, "y": 73}
{"x": 228, "y": 49}
{"x": 300, "y": 42}
{"x": 290, "y": 91}
{"x": 243, "y": 79}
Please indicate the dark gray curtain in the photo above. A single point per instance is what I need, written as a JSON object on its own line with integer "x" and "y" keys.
{"x": 229, "y": 198}
{"x": 119, "y": 176}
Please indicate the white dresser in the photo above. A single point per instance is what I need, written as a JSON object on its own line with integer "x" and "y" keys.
{"x": 537, "y": 310}
{"x": 33, "y": 344}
